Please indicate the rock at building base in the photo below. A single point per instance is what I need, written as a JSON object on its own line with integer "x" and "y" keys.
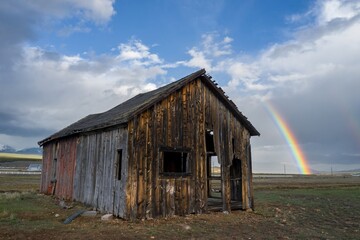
{"x": 107, "y": 217}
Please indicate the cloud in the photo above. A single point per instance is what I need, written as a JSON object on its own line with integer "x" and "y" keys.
{"x": 210, "y": 48}
{"x": 98, "y": 11}
{"x": 137, "y": 53}
{"x": 198, "y": 59}
{"x": 329, "y": 11}
{"x": 46, "y": 86}
{"x": 66, "y": 78}
{"x": 19, "y": 21}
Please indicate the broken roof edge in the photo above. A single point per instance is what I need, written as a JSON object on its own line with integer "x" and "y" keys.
{"x": 231, "y": 105}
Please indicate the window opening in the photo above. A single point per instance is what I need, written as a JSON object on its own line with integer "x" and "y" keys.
{"x": 119, "y": 164}
{"x": 209, "y": 139}
{"x": 175, "y": 162}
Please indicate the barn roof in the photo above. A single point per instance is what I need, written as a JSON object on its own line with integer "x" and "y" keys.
{"x": 123, "y": 112}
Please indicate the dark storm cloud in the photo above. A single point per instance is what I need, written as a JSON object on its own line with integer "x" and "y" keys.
{"x": 320, "y": 153}
{"x": 11, "y": 124}
{"x": 16, "y": 27}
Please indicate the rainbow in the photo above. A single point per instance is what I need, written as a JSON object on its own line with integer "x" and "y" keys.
{"x": 285, "y": 130}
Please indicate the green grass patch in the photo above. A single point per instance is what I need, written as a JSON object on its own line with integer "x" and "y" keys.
{"x": 329, "y": 213}
{"x": 308, "y": 197}
{"x": 14, "y": 205}
{"x": 19, "y": 183}
{"x": 28, "y": 211}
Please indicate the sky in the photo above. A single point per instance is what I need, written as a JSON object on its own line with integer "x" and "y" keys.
{"x": 293, "y": 62}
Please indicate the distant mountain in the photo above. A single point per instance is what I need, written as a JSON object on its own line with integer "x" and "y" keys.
{"x": 9, "y": 149}
{"x": 34, "y": 150}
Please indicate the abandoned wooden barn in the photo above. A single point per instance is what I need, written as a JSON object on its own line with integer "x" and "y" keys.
{"x": 180, "y": 149}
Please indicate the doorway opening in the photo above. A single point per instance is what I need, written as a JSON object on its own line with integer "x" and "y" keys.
{"x": 214, "y": 189}
{"x": 236, "y": 184}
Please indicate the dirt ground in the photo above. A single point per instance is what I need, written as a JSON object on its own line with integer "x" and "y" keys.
{"x": 314, "y": 207}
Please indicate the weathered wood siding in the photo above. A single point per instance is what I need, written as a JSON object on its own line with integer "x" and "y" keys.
{"x": 85, "y": 169}
{"x": 58, "y": 168}
{"x": 180, "y": 121}
{"x": 46, "y": 169}
{"x": 95, "y": 178}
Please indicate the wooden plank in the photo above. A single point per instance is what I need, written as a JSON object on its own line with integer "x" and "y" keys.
{"x": 228, "y": 149}
{"x": 160, "y": 141}
{"x": 244, "y": 185}
{"x": 191, "y": 120}
{"x": 185, "y": 196}
{"x": 149, "y": 163}
{"x": 162, "y": 197}
{"x": 140, "y": 145}
{"x": 170, "y": 192}
{"x": 184, "y": 116}
{"x": 178, "y": 197}
{"x": 101, "y": 198}
{"x": 201, "y": 147}
{"x": 99, "y": 170}
{"x": 250, "y": 178}
{"x": 134, "y": 170}
{"x": 45, "y": 169}
{"x": 77, "y": 173}
{"x": 130, "y": 161}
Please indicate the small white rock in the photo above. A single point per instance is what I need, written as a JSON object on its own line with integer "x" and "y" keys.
{"x": 187, "y": 227}
{"x": 57, "y": 215}
{"x": 107, "y": 217}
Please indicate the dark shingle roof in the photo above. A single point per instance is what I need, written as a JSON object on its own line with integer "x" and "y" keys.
{"x": 123, "y": 112}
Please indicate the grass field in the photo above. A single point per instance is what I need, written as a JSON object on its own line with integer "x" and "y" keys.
{"x": 298, "y": 208}
{"x": 5, "y": 157}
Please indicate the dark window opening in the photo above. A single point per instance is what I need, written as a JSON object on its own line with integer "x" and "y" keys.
{"x": 209, "y": 138}
{"x": 175, "y": 162}
{"x": 119, "y": 164}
